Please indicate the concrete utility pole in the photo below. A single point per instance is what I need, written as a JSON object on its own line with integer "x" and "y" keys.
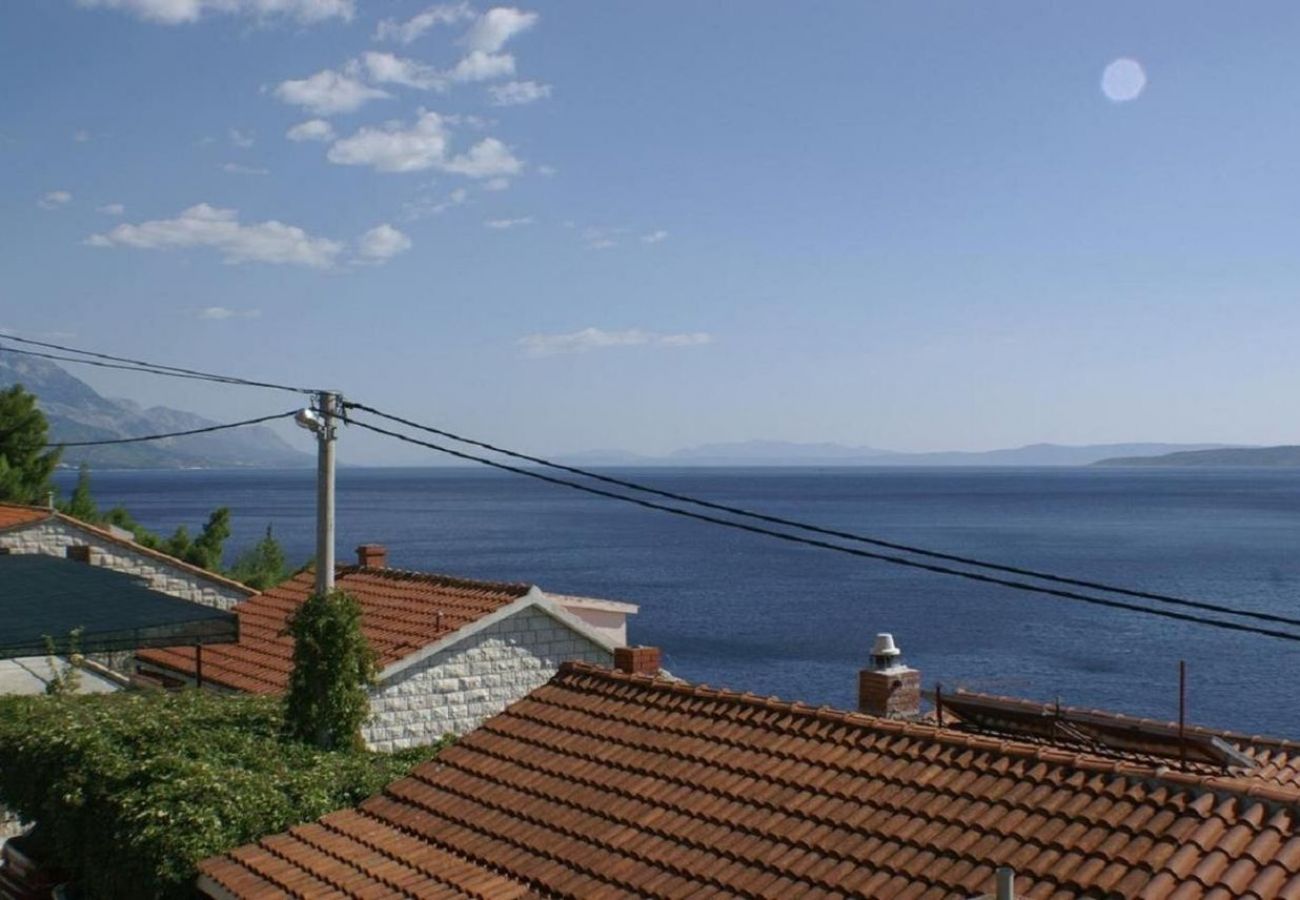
{"x": 1006, "y": 882}
{"x": 325, "y": 437}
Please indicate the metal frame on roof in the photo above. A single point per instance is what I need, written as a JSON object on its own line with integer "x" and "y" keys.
{"x": 1096, "y": 730}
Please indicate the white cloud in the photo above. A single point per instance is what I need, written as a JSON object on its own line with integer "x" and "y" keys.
{"x": 111, "y": 209}
{"x": 311, "y": 130}
{"x": 517, "y": 93}
{"x": 241, "y": 139}
{"x": 412, "y": 28}
{"x": 654, "y": 237}
{"x": 178, "y": 12}
{"x": 597, "y": 339}
{"x": 381, "y": 243}
{"x": 328, "y": 92}
{"x": 393, "y": 148}
{"x": 234, "y": 168}
{"x": 54, "y": 199}
{"x": 222, "y": 312}
{"x": 385, "y": 68}
{"x": 483, "y": 66}
{"x": 424, "y": 145}
{"x": 496, "y": 184}
{"x": 81, "y": 135}
{"x": 489, "y": 158}
{"x": 503, "y": 224}
{"x": 547, "y": 170}
{"x": 498, "y": 25}
{"x": 602, "y": 238}
{"x": 208, "y": 226}
{"x": 423, "y": 207}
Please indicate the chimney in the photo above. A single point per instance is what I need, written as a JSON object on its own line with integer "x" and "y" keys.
{"x": 372, "y": 556}
{"x": 888, "y": 688}
{"x": 637, "y": 660}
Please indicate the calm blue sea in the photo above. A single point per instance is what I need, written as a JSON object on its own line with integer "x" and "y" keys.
{"x": 752, "y": 613}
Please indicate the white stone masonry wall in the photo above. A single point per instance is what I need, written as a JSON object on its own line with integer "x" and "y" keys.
{"x": 54, "y": 537}
{"x": 457, "y": 689}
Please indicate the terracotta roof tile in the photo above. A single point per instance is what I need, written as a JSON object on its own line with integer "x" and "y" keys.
{"x": 401, "y": 613}
{"x": 13, "y": 516}
{"x": 604, "y": 784}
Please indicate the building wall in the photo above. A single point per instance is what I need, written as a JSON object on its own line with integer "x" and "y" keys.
{"x": 457, "y": 689}
{"x": 610, "y": 624}
{"x": 53, "y": 537}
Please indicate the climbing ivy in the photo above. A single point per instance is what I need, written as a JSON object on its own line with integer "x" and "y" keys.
{"x": 131, "y": 790}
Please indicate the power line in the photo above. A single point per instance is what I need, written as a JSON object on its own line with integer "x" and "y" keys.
{"x": 172, "y": 434}
{"x": 100, "y": 365}
{"x": 852, "y": 551}
{"x": 137, "y": 365}
{"x": 844, "y": 535}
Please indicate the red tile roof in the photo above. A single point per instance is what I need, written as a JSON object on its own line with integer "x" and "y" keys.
{"x": 12, "y": 516}
{"x": 401, "y": 612}
{"x": 601, "y": 784}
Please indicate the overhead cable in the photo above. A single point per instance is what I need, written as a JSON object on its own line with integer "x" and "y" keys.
{"x": 137, "y": 365}
{"x": 852, "y": 551}
{"x": 844, "y": 535}
{"x": 172, "y": 434}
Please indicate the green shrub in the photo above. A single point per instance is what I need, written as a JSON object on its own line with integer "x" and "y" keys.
{"x": 333, "y": 664}
{"x": 131, "y": 790}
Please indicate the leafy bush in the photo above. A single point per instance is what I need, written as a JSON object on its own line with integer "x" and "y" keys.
{"x": 131, "y": 790}
{"x": 333, "y": 664}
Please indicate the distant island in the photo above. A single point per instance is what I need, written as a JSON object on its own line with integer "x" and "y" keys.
{"x": 1256, "y": 457}
{"x": 77, "y": 412}
{"x": 784, "y": 453}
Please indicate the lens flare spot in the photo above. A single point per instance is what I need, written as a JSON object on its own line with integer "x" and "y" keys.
{"x": 1123, "y": 80}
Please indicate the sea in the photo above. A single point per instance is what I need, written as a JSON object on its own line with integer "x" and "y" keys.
{"x": 753, "y": 613}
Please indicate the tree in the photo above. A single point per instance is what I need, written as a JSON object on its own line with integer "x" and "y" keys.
{"x": 82, "y": 505}
{"x": 206, "y": 549}
{"x": 25, "y": 463}
{"x": 122, "y": 518}
{"x": 263, "y": 565}
{"x": 333, "y": 664}
{"x": 203, "y": 551}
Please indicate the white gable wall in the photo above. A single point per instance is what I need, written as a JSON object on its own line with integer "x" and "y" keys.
{"x": 457, "y": 688}
{"x": 53, "y": 537}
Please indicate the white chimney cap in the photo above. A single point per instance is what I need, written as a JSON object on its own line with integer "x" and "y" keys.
{"x": 885, "y": 646}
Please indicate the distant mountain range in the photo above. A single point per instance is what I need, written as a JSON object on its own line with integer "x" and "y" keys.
{"x": 1259, "y": 457}
{"x": 77, "y": 412}
{"x": 781, "y": 453}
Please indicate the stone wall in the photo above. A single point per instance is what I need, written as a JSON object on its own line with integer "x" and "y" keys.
{"x": 53, "y": 536}
{"x": 457, "y": 689}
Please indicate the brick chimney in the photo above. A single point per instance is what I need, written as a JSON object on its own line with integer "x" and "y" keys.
{"x": 637, "y": 660}
{"x": 888, "y": 688}
{"x": 372, "y": 556}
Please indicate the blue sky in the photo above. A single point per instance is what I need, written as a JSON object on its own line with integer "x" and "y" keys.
{"x": 592, "y": 225}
